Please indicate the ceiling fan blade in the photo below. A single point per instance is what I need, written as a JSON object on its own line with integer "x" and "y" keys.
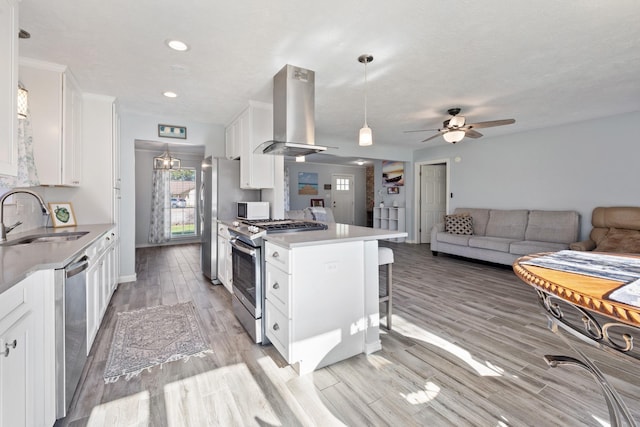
{"x": 420, "y": 130}
{"x": 491, "y": 123}
{"x": 472, "y": 133}
{"x": 432, "y": 137}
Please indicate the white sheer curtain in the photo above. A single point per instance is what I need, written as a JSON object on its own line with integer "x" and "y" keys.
{"x": 160, "y": 227}
{"x": 27, "y": 173}
{"x": 286, "y": 189}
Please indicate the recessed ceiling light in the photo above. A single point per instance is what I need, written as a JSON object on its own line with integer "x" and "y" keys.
{"x": 177, "y": 45}
{"x": 170, "y": 94}
{"x": 360, "y": 162}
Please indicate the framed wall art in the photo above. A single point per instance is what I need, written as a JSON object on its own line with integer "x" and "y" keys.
{"x": 392, "y": 173}
{"x": 171, "y": 131}
{"x": 308, "y": 183}
{"x": 62, "y": 214}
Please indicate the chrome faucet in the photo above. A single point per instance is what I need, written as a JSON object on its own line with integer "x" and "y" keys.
{"x": 4, "y": 230}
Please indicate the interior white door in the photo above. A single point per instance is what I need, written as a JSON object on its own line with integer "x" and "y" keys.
{"x": 433, "y": 198}
{"x": 342, "y": 198}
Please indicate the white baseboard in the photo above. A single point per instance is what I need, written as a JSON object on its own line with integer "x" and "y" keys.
{"x": 372, "y": 347}
{"x": 129, "y": 278}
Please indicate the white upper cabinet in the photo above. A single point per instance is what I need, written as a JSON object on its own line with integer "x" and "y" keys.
{"x": 72, "y": 131}
{"x": 251, "y": 128}
{"x": 8, "y": 87}
{"x": 232, "y": 140}
{"x": 55, "y": 103}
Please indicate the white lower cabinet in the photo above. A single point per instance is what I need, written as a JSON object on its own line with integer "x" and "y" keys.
{"x": 27, "y": 371}
{"x": 314, "y": 313}
{"x": 17, "y": 346}
{"x": 101, "y": 282}
{"x": 225, "y": 268}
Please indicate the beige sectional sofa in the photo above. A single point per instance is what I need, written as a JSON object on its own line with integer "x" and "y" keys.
{"x": 502, "y": 236}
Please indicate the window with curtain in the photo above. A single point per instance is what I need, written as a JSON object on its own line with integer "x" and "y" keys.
{"x": 183, "y": 202}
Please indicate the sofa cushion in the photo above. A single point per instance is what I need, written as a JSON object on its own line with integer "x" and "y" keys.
{"x": 509, "y": 224}
{"x": 487, "y": 242}
{"x": 319, "y": 214}
{"x": 458, "y": 224}
{"x": 620, "y": 240}
{"x": 627, "y": 217}
{"x": 552, "y": 226}
{"x": 454, "y": 239}
{"x": 294, "y": 214}
{"x": 527, "y": 247}
{"x": 480, "y": 219}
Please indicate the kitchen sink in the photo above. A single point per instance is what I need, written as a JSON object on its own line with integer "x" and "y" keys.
{"x": 46, "y": 238}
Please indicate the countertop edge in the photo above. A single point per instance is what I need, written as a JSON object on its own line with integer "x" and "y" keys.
{"x": 336, "y": 233}
{"x": 18, "y": 262}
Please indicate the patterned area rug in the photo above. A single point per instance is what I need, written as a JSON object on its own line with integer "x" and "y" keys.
{"x": 153, "y": 336}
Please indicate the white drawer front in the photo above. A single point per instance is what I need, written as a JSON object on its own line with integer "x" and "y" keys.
{"x": 277, "y": 255}
{"x": 277, "y": 330}
{"x": 278, "y": 285}
{"x": 13, "y": 298}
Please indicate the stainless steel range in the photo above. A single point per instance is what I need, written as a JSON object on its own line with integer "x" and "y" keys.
{"x": 247, "y": 247}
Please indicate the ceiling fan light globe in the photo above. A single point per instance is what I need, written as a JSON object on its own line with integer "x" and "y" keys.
{"x": 453, "y": 136}
{"x": 366, "y": 137}
{"x": 456, "y": 122}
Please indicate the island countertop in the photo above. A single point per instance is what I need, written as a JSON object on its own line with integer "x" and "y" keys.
{"x": 18, "y": 261}
{"x": 334, "y": 234}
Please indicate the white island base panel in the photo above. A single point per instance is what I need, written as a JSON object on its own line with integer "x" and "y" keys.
{"x": 322, "y": 302}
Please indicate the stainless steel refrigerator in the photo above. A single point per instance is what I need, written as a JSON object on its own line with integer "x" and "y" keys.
{"x": 219, "y": 192}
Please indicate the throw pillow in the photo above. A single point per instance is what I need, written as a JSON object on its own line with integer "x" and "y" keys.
{"x": 620, "y": 240}
{"x": 458, "y": 224}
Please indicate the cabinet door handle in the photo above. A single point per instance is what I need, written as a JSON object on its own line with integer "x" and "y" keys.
{"x": 276, "y": 285}
{"x": 9, "y": 346}
{"x": 275, "y": 255}
{"x": 276, "y": 326}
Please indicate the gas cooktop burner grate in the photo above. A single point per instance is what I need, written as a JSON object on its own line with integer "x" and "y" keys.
{"x": 287, "y": 225}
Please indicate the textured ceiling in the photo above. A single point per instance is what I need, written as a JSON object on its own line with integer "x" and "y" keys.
{"x": 544, "y": 62}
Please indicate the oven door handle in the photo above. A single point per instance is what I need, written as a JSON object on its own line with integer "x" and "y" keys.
{"x": 243, "y": 247}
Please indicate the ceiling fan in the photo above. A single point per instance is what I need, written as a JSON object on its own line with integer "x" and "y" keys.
{"x": 456, "y": 128}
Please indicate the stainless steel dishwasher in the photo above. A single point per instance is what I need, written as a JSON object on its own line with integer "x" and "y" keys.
{"x": 71, "y": 330}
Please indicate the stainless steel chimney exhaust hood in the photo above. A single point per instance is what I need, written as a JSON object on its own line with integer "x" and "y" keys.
{"x": 293, "y": 114}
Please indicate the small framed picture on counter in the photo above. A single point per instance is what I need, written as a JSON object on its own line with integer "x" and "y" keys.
{"x": 62, "y": 214}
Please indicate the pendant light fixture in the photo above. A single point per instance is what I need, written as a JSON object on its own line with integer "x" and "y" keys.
{"x": 366, "y": 137}
{"x": 165, "y": 161}
{"x": 23, "y": 101}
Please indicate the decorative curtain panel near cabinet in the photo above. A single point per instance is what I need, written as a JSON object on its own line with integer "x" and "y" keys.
{"x": 27, "y": 173}
{"x": 160, "y": 227}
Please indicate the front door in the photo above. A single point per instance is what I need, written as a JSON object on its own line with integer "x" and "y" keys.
{"x": 433, "y": 198}
{"x": 342, "y": 198}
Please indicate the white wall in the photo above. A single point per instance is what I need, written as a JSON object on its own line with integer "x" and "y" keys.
{"x": 577, "y": 167}
{"x": 136, "y": 126}
{"x": 324, "y": 171}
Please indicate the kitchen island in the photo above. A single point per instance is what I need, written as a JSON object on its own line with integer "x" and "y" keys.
{"x": 322, "y": 294}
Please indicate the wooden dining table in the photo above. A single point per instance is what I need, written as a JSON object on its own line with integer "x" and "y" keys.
{"x": 582, "y": 298}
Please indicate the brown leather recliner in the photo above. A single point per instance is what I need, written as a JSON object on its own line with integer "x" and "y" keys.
{"x": 615, "y": 229}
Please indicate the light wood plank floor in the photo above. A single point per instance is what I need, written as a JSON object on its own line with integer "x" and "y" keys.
{"x": 466, "y": 350}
